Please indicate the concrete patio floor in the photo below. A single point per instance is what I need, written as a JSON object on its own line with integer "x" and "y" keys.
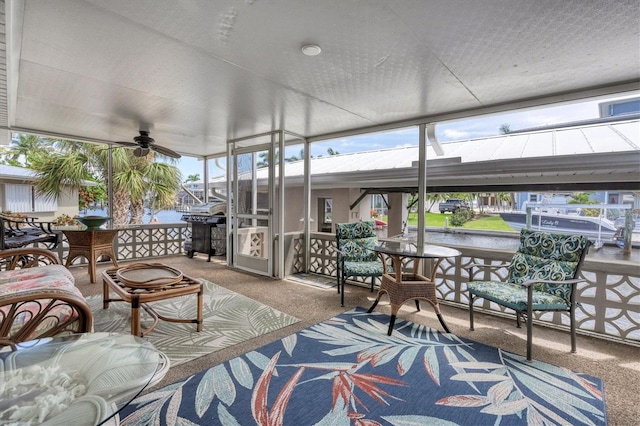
{"x": 617, "y": 364}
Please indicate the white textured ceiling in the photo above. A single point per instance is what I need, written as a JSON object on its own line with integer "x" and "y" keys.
{"x": 199, "y": 72}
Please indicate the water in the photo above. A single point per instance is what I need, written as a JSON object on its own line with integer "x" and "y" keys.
{"x": 163, "y": 216}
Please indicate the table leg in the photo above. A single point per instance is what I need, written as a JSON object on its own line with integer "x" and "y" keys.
{"x": 436, "y": 308}
{"x": 112, "y": 256}
{"x": 92, "y": 269}
{"x": 375, "y": 303}
{"x": 199, "y": 315}
{"x": 135, "y": 315}
{"x": 105, "y": 294}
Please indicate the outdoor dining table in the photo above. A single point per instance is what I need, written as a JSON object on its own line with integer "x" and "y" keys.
{"x": 91, "y": 243}
{"x": 402, "y": 287}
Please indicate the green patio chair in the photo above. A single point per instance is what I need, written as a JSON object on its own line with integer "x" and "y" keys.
{"x": 356, "y": 255}
{"x": 542, "y": 276}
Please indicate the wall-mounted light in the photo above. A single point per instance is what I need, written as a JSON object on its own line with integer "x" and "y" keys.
{"x": 311, "y": 49}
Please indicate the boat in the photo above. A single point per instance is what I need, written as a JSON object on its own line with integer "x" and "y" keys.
{"x": 595, "y": 227}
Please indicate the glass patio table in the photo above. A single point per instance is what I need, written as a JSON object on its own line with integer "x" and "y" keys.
{"x": 77, "y": 379}
{"x": 402, "y": 287}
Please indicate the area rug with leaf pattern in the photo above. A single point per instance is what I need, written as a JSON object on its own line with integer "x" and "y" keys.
{"x": 347, "y": 371}
{"x": 228, "y": 319}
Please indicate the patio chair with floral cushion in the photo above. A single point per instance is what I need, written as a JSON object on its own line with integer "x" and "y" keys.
{"x": 38, "y": 297}
{"x": 356, "y": 255}
{"x": 541, "y": 277}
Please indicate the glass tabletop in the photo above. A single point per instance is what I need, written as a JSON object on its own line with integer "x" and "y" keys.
{"x": 76, "y": 379}
{"x": 408, "y": 248}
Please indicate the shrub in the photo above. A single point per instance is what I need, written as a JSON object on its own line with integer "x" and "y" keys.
{"x": 461, "y": 216}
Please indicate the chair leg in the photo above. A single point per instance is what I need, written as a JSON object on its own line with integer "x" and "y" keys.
{"x": 417, "y": 305}
{"x": 342, "y": 280}
{"x": 470, "y": 311}
{"x": 529, "y": 332}
{"x": 572, "y": 319}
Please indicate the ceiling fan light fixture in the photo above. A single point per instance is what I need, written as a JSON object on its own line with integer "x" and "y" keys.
{"x": 311, "y": 49}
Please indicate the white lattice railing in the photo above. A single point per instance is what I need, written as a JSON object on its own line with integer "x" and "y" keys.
{"x": 609, "y": 301}
{"x": 144, "y": 241}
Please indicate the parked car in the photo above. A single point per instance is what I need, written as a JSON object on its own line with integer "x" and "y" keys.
{"x": 453, "y": 206}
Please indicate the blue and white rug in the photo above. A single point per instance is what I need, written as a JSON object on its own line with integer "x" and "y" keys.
{"x": 347, "y": 371}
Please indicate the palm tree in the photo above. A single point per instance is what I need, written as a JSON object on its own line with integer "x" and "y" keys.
{"x": 295, "y": 157}
{"x": 193, "y": 178}
{"x": 263, "y": 159}
{"x": 22, "y": 151}
{"x": 504, "y": 197}
{"x": 134, "y": 178}
{"x": 505, "y": 129}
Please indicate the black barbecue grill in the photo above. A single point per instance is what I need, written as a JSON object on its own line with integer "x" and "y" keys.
{"x": 208, "y": 230}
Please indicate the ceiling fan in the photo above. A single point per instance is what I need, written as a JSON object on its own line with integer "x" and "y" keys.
{"x": 145, "y": 143}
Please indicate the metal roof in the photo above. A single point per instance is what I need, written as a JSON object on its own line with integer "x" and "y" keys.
{"x": 599, "y": 156}
{"x": 27, "y": 175}
{"x": 197, "y": 73}
{"x": 17, "y": 173}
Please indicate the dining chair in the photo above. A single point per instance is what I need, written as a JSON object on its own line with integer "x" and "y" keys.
{"x": 541, "y": 277}
{"x": 356, "y": 256}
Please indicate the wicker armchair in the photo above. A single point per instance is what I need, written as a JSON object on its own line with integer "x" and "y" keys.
{"x": 542, "y": 276}
{"x": 355, "y": 250}
{"x": 38, "y": 297}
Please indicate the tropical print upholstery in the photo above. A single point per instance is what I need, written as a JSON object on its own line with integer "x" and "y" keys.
{"x": 542, "y": 276}
{"x": 514, "y": 296}
{"x": 547, "y": 256}
{"x": 541, "y": 256}
{"x": 356, "y": 242}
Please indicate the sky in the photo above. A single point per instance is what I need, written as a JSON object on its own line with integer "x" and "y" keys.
{"x": 481, "y": 127}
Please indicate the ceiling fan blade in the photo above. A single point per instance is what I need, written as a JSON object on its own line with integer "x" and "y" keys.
{"x": 140, "y": 152}
{"x": 165, "y": 151}
{"x": 127, "y": 143}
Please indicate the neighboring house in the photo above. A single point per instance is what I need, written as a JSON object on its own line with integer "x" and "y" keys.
{"x": 603, "y": 158}
{"x": 18, "y": 194}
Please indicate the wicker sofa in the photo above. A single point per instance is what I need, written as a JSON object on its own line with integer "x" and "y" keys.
{"x": 38, "y": 297}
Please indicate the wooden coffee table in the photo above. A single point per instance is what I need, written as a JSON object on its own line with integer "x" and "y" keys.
{"x": 141, "y": 283}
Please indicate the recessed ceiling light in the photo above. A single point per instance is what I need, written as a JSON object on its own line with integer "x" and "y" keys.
{"x": 311, "y": 49}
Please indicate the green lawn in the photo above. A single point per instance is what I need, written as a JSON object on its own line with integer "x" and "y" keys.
{"x": 487, "y": 222}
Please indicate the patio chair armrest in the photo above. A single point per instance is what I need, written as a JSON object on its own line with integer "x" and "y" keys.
{"x": 27, "y": 257}
{"x": 530, "y": 283}
{"x": 472, "y": 266}
{"x": 51, "y": 311}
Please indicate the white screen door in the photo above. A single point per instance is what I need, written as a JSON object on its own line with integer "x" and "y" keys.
{"x": 252, "y": 199}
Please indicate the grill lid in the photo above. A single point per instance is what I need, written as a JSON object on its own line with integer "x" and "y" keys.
{"x": 209, "y": 208}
